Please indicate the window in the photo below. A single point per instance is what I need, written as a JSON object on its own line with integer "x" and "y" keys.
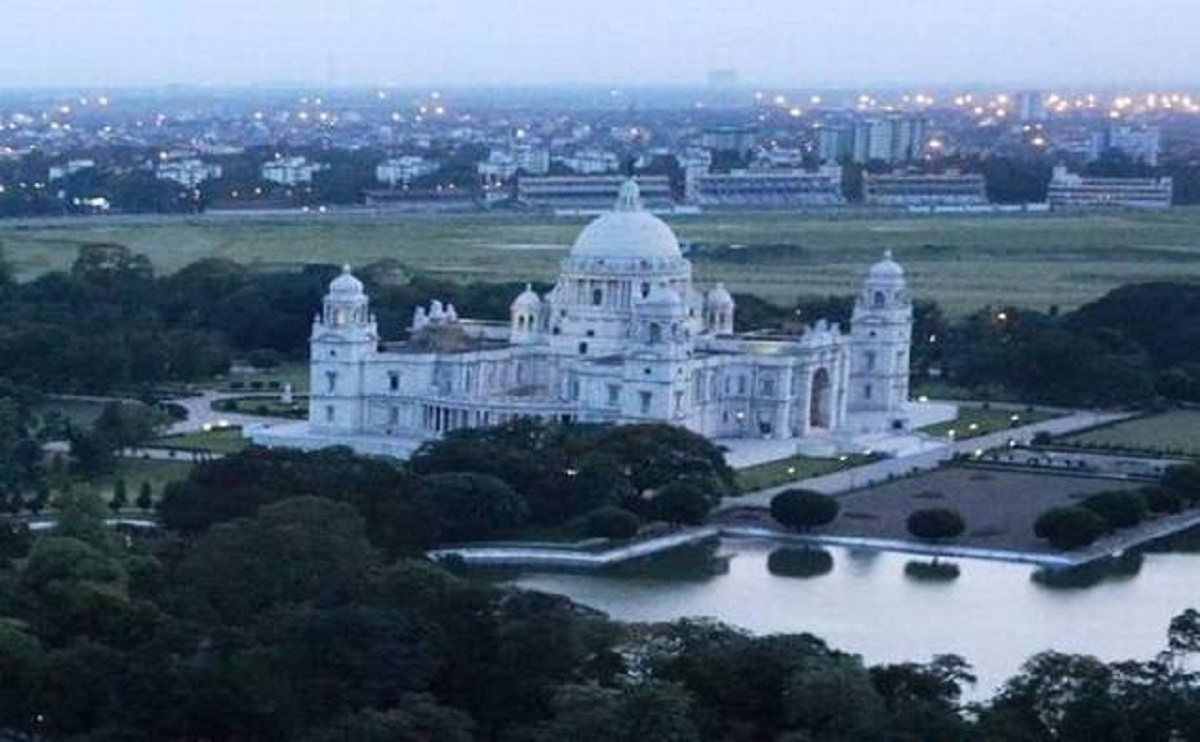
{"x": 597, "y": 297}
{"x": 867, "y": 391}
{"x": 583, "y": 349}
{"x": 329, "y": 413}
{"x": 573, "y": 389}
{"x": 330, "y": 381}
{"x": 645, "y": 288}
{"x": 614, "y": 395}
{"x": 655, "y": 332}
{"x": 870, "y": 360}
{"x": 768, "y": 387}
{"x": 590, "y": 333}
{"x": 394, "y": 381}
{"x": 742, "y": 384}
{"x": 394, "y": 419}
{"x": 646, "y": 398}
{"x": 879, "y": 300}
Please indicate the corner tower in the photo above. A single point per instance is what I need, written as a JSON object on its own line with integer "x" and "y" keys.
{"x": 880, "y": 339}
{"x": 344, "y": 337}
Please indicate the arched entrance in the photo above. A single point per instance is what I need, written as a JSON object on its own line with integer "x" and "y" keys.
{"x": 819, "y": 400}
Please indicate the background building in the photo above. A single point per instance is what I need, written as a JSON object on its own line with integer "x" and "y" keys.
{"x": 770, "y": 189}
{"x": 924, "y": 189}
{"x": 1070, "y": 191}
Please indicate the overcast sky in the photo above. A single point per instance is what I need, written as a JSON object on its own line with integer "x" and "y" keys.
{"x": 795, "y": 43}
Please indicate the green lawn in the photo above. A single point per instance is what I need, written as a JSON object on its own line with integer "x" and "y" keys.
{"x": 135, "y": 471}
{"x": 224, "y": 441}
{"x": 976, "y": 421}
{"x": 1174, "y": 432}
{"x": 795, "y": 468}
{"x": 963, "y": 262}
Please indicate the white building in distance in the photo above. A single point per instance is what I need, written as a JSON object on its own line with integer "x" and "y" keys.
{"x": 188, "y": 173}
{"x": 625, "y": 336}
{"x": 403, "y": 170}
{"x": 290, "y": 171}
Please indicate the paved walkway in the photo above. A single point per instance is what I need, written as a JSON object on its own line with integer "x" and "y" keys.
{"x": 879, "y": 471}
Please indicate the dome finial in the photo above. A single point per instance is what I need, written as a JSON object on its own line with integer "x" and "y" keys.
{"x": 629, "y": 198}
{"x": 887, "y": 254}
{"x": 345, "y": 269}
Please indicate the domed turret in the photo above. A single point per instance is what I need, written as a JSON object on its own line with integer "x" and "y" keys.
{"x": 627, "y": 232}
{"x": 346, "y": 285}
{"x": 524, "y": 313}
{"x": 886, "y": 270}
{"x": 718, "y": 310}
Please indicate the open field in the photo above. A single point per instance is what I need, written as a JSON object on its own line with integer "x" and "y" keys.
{"x": 961, "y": 261}
{"x": 1177, "y": 431}
{"x": 223, "y": 441}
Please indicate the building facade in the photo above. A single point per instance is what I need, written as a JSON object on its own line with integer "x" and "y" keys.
{"x": 1069, "y": 191}
{"x": 624, "y": 336}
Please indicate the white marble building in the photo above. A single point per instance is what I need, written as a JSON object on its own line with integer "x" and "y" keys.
{"x": 624, "y": 336}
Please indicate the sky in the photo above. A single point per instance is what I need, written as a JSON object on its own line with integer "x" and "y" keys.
{"x": 794, "y": 43}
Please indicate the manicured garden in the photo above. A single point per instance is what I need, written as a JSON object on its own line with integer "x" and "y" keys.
{"x": 1172, "y": 433}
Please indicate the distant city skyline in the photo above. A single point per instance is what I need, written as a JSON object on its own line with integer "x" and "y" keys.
{"x": 870, "y": 43}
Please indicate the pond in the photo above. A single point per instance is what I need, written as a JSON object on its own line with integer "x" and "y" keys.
{"x": 892, "y": 607}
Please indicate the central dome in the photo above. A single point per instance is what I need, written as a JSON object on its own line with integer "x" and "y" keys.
{"x": 627, "y": 232}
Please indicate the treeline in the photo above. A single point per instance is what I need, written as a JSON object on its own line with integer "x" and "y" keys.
{"x": 110, "y": 324}
{"x": 290, "y": 618}
{"x": 1137, "y": 344}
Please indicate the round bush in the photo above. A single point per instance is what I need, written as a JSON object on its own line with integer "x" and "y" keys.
{"x": 799, "y": 562}
{"x": 1163, "y": 500}
{"x": 803, "y": 509}
{"x": 1119, "y": 508}
{"x": 611, "y": 522}
{"x": 1069, "y": 527}
{"x": 934, "y": 524}
{"x": 931, "y": 571}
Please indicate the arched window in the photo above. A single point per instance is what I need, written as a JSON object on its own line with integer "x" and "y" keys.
{"x": 597, "y": 297}
{"x": 878, "y": 300}
{"x": 655, "y": 332}
{"x": 645, "y": 290}
{"x": 583, "y": 348}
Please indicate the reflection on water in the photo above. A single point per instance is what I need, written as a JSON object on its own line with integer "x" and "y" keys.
{"x": 1124, "y": 567}
{"x": 800, "y": 561}
{"x": 994, "y": 614}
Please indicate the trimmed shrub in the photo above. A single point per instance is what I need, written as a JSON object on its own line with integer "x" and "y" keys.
{"x": 804, "y": 509}
{"x": 1069, "y": 527}
{"x": 936, "y": 524}
{"x": 799, "y": 562}
{"x": 610, "y": 522}
{"x": 1118, "y": 508}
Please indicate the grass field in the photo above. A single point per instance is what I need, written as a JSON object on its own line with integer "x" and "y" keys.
{"x": 795, "y": 468}
{"x": 226, "y": 440}
{"x": 963, "y": 262}
{"x": 136, "y": 471}
{"x": 976, "y": 421}
{"x": 1177, "y": 431}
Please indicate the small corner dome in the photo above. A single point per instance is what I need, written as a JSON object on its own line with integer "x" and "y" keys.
{"x": 346, "y": 284}
{"x": 719, "y": 296}
{"x": 886, "y": 269}
{"x": 527, "y": 298}
{"x": 661, "y": 296}
{"x": 628, "y": 231}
